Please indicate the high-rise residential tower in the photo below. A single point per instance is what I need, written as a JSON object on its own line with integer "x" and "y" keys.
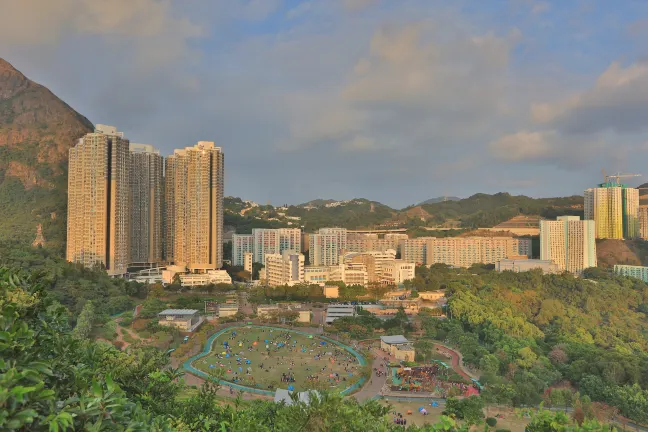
{"x": 274, "y": 241}
{"x": 614, "y": 208}
{"x": 146, "y": 204}
{"x": 569, "y": 242}
{"x": 194, "y": 194}
{"x": 98, "y": 225}
{"x": 241, "y": 244}
{"x": 326, "y": 246}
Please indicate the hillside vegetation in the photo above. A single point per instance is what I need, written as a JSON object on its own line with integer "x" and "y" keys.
{"x": 527, "y": 332}
{"x": 36, "y": 131}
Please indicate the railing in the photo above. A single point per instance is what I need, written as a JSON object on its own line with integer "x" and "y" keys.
{"x": 188, "y": 364}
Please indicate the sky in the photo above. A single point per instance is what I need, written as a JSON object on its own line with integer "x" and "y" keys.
{"x": 395, "y": 101}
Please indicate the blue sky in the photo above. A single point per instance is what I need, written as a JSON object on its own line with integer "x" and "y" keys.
{"x": 392, "y": 100}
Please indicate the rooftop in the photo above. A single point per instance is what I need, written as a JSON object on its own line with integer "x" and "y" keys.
{"x": 178, "y": 312}
{"x": 397, "y": 339}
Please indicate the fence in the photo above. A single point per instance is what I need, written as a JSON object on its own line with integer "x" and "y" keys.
{"x": 188, "y": 364}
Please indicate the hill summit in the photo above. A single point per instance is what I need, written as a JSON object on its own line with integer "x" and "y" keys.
{"x": 36, "y": 131}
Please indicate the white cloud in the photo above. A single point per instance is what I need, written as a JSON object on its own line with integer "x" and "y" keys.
{"x": 152, "y": 26}
{"x": 539, "y": 8}
{"x": 618, "y": 101}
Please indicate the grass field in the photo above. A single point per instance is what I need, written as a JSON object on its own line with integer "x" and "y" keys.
{"x": 286, "y": 353}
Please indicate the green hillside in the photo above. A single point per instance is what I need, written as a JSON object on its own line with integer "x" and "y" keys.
{"x": 483, "y": 210}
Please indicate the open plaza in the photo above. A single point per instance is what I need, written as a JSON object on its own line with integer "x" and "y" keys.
{"x": 268, "y": 358}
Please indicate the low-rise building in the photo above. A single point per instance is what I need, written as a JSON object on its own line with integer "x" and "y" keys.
{"x": 397, "y": 272}
{"x": 276, "y": 310}
{"x": 523, "y": 265}
{"x": 284, "y": 269}
{"x": 183, "y": 319}
{"x": 639, "y": 272}
{"x": 335, "y": 311}
{"x": 398, "y": 346}
{"x": 209, "y": 277}
{"x": 228, "y": 309}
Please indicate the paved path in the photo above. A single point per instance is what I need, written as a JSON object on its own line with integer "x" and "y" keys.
{"x": 456, "y": 361}
{"x": 375, "y": 383}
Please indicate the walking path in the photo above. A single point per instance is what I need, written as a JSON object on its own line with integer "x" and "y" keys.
{"x": 456, "y": 361}
{"x": 375, "y": 384}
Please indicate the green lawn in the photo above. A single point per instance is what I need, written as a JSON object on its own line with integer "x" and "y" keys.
{"x": 296, "y": 357}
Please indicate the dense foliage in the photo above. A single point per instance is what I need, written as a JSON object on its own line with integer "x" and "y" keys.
{"x": 70, "y": 284}
{"x": 526, "y": 332}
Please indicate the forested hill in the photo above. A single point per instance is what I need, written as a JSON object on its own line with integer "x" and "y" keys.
{"x": 528, "y": 333}
{"x": 36, "y": 131}
{"x": 477, "y": 211}
{"x": 483, "y": 210}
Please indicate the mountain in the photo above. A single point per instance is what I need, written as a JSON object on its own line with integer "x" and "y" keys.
{"x": 483, "y": 210}
{"x": 36, "y": 131}
{"x": 440, "y": 199}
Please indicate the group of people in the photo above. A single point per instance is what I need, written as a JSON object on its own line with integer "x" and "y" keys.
{"x": 399, "y": 419}
{"x": 280, "y": 355}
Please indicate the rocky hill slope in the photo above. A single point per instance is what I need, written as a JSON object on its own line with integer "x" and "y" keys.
{"x": 36, "y": 131}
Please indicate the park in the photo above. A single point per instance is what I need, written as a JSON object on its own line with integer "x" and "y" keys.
{"x": 267, "y": 358}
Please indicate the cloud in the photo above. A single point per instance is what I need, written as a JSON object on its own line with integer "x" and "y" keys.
{"x": 34, "y": 22}
{"x": 618, "y": 101}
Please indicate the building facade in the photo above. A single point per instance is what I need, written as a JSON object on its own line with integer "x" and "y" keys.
{"x": 639, "y": 272}
{"x": 415, "y": 250}
{"x": 326, "y": 246}
{"x": 98, "y": 225}
{"x": 194, "y": 186}
{"x": 397, "y": 272}
{"x": 615, "y": 210}
{"x": 643, "y": 222}
{"x": 284, "y": 269}
{"x": 241, "y": 244}
{"x": 569, "y": 242}
{"x": 247, "y": 262}
{"x": 523, "y": 265}
{"x": 147, "y": 188}
{"x": 274, "y": 241}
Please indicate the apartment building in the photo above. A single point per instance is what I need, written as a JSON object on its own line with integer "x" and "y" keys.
{"x": 209, "y": 277}
{"x": 146, "y": 189}
{"x": 415, "y": 250}
{"x": 194, "y": 187}
{"x": 463, "y": 251}
{"x": 99, "y": 216}
{"x": 614, "y": 208}
{"x": 639, "y": 272}
{"x": 247, "y": 262}
{"x": 393, "y": 241}
{"x": 643, "y": 222}
{"x": 373, "y": 262}
{"x": 274, "y": 241}
{"x": 360, "y": 242}
{"x": 326, "y": 246}
{"x": 241, "y": 244}
{"x": 284, "y": 269}
{"x": 569, "y": 242}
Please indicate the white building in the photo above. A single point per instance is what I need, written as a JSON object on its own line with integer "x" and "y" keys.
{"x": 569, "y": 242}
{"x": 398, "y": 271}
{"x": 210, "y": 277}
{"x": 523, "y": 265}
{"x": 241, "y": 244}
{"x": 326, "y": 246}
{"x": 274, "y": 241}
{"x": 284, "y": 269}
{"x": 639, "y": 272}
{"x": 336, "y": 311}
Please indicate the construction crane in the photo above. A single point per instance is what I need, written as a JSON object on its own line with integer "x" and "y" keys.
{"x": 617, "y": 177}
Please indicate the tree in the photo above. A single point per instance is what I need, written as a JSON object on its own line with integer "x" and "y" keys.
{"x": 85, "y": 321}
{"x": 423, "y": 347}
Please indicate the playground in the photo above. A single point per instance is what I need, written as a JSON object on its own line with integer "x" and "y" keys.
{"x": 267, "y": 358}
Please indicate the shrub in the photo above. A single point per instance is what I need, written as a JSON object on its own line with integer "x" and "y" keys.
{"x": 502, "y": 430}
{"x": 491, "y": 421}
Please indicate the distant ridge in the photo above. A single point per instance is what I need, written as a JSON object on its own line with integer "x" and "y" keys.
{"x": 439, "y": 199}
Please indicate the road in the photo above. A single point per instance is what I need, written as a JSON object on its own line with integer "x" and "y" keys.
{"x": 375, "y": 384}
